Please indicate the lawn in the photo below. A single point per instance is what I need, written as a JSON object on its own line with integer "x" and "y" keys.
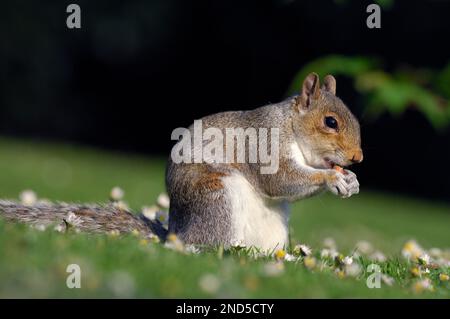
{"x": 33, "y": 263}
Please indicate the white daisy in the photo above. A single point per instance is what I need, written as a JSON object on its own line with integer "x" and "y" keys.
{"x": 192, "y": 249}
{"x": 388, "y": 280}
{"x": 116, "y": 194}
{"x": 353, "y": 270}
{"x": 328, "y": 253}
{"x": 364, "y": 247}
{"x": 329, "y": 243}
{"x": 348, "y": 260}
{"x": 424, "y": 259}
{"x": 302, "y": 250}
{"x": 209, "y": 283}
{"x": 273, "y": 269}
{"x": 163, "y": 200}
{"x": 163, "y": 217}
{"x": 28, "y": 197}
{"x": 378, "y": 256}
{"x": 238, "y": 244}
{"x": 435, "y": 252}
{"x": 289, "y": 257}
{"x": 174, "y": 243}
{"x": 411, "y": 250}
{"x": 121, "y": 205}
{"x": 73, "y": 220}
{"x": 39, "y": 227}
{"x": 150, "y": 212}
{"x": 423, "y": 285}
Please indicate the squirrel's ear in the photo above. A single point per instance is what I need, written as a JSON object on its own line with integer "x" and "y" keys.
{"x": 329, "y": 84}
{"x": 310, "y": 90}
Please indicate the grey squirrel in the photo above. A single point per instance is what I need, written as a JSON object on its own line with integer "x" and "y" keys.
{"x": 233, "y": 202}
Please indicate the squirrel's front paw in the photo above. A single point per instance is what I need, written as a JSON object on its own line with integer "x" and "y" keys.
{"x": 344, "y": 185}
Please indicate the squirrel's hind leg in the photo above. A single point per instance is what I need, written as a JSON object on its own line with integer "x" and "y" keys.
{"x": 200, "y": 212}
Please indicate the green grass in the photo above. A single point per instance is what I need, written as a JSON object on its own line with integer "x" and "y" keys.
{"x": 33, "y": 263}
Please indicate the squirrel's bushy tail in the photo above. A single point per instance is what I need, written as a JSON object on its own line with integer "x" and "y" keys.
{"x": 94, "y": 218}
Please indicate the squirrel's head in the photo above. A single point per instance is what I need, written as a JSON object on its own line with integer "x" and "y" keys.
{"x": 327, "y": 132}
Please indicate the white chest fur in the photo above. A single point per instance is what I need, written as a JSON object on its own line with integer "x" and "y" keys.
{"x": 255, "y": 221}
{"x": 297, "y": 155}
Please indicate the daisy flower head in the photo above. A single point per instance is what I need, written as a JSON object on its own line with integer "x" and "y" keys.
{"x": 289, "y": 257}
{"x": 435, "y": 252}
{"x": 28, "y": 197}
{"x": 153, "y": 238}
{"x": 424, "y": 259}
{"x": 40, "y": 227}
{"x": 325, "y": 253}
{"x": 237, "y": 244}
{"x": 310, "y": 262}
{"x": 273, "y": 269}
{"x": 348, "y": 260}
{"x": 60, "y": 228}
{"x": 121, "y": 205}
{"x": 352, "y": 270}
{"x": 143, "y": 242}
{"x": 378, "y": 256}
{"x": 73, "y": 220}
{"x": 192, "y": 249}
{"x": 302, "y": 250}
{"x": 416, "y": 272}
{"x": 135, "y": 232}
{"x": 163, "y": 201}
{"x": 163, "y": 217}
{"x": 423, "y": 285}
{"x": 388, "y": 280}
{"x": 280, "y": 254}
{"x": 364, "y": 247}
{"x": 174, "y": 243}
{"x": 116, "y": 194}
{"x": 340, "y": 273}
{"x": 328, "y": 253}
{"x": 114, "y": 233}
{"x": 209, "y": 283}
{"x": 444, "y": 277}
{"x": 329, "y": 243}
{"x": 150, "y": 211}
{"x": 411, "y": 250}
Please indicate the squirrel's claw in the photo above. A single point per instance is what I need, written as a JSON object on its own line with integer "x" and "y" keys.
{"x": 343, "y": 185}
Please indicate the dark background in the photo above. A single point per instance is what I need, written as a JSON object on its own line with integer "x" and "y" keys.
{"x": 138, "y": 69}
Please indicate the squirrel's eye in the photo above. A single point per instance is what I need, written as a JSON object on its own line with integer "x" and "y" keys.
{"x": 331, "y": 122}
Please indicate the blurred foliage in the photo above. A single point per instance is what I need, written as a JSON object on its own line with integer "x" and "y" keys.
{"x": 426, "y": 90}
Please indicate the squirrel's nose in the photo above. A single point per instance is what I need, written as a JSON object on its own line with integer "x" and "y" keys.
{"x": 357, "y": 156}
